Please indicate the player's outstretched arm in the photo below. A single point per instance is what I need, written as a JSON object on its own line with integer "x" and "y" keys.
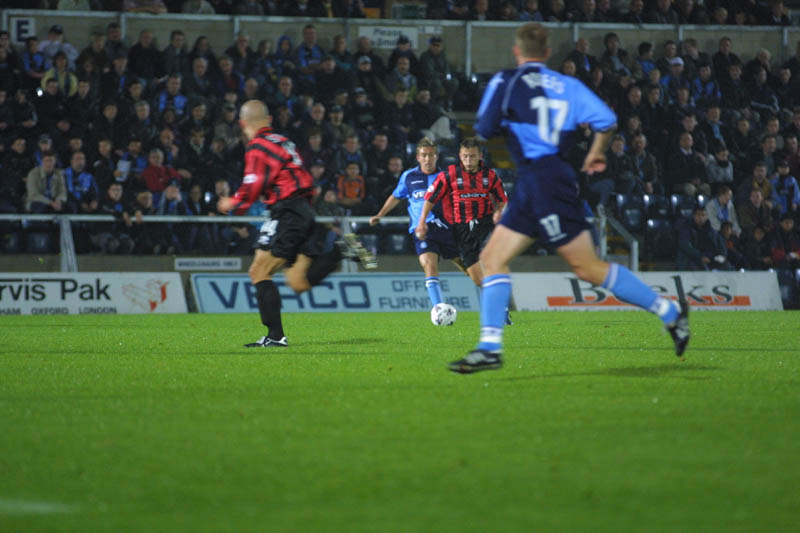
{"x": 391, "y": 202}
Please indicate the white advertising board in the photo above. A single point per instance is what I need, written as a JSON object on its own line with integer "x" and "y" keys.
{"x": 385, "y": 37}
{"x": 718, "y": 291}
{"x": 91, "y": 293}
{"x": 234, "y": 293}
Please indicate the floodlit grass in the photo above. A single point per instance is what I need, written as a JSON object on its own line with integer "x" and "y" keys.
{"x": 163, "y": 423}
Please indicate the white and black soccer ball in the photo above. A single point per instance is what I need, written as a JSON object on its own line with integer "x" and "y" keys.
{"x": 443, "y": 314}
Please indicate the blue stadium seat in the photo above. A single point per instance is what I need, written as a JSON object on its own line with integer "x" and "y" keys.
{"x": 683, "y": 205}
{"x": 657, "y": 206}
{"x": 701, "y": 200}
{"x": 10, "y": 243}
{"x": 370, "y": 242}
{"x": 631, "y": 211}
{"x": 37, "y": 243}
{"x": 660, "y": 239}
{"x": 396, "y": 244}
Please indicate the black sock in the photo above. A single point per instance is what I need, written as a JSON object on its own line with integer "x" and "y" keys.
{"x": 269, "y": 305}
{"x": 322, "y": 265}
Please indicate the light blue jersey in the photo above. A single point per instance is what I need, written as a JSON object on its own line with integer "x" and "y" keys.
{"x": 412, "y": 186}
{"x": 538, "y": 110}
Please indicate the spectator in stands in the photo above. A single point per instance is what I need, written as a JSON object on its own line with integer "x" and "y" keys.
{"x": 197, "y": 119}
{"x": 699, "y": 246}
{"x": 431, "y": 120}
{"x": 755, "y": 213}
{"x": 314, "y": 150}
{"x": 645, "y": 166}
{"x": 348, "y": 9}
{"x": 175, "y": 57}
{"x": 198, "y": 85}
{"x": 143, "y": 126}
{"x": 364, "y": 114}
{"x": 616, "y": 61}
{"x": 132, "y": 162}
{"x": 480, "y": 10}
{"x": 719, "y": 167}
{"x": 705, "y": 90}
{"x": 364, "y": 48}
{"x": 583, "y": 60}
{"x": 662, "y": 13}
{"x": 369, "y": 82}
{"x": 112, "y": 237}
{"x": 685, "y": 171}
{"x": 16, "y": 164}
{"x": 229, "y": 79}
{"x": 55, "y": 43}
{"x": 723, "y": 59}
{"x": 529, "y": 11}
{"x": 156, "y": 175}
{"x": 350, "y": 152}
{"x": 351, "y": 188}
{"x": 227, "y": 127}
{"x": 114, "y": 82}
{"x": 689, "y": 13}
{"x": 340, "y": 129}
{"x": 172, "y": 96}
{"x": 308, "y": 56}
{"x": 153, "y": 7}
{"x": 791, "y": 153}
{"x": 760, "y": 180}
{"x": 316, "y": 120}
{"x": 145, "y": 61}
{"x": 785, "y": 91}
{"x": 757, "y": 250}
{"x": 377, "y": 157}
{"x": 402, "y": 78}
{"x": 146, "y": 236}
{"x": 329, "y": 79}
{"x": 198, "y": 7}
{"x": 765, "y": 152}
{"x": 83, "y": 194}
{"x": 399, "y": 119}
{"x": 249, "y": 7}
{"x": 104, "y": 166}
{"x": 34, "y": 64}
{"x": 51, "y": 107}
{"x": 785, "y": 244}
{"x": 303, "y": 8}
{"x": 719, "y": 16}
{"x": 688, "y": 122}
{"x": 734, "y": 246}
{"x": 775, "y": 14}
{"x": 133, "y": 94}
{"x": 114, "y": 44}
{"x": 242, "y": 54}
{"x": 96, "y": 51}
{"x": 785, "y": 189}
{"x": 106, "y": 125}
{"x": 46, "y": 190}
{"x": 435, "y": 72}
{"x": 720, "y": 209}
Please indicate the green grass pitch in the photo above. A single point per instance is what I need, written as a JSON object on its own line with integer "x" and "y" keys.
{"x": 163, "y": 423}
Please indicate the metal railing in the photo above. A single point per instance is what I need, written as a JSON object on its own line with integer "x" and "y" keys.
{"x": 632, "y": 242}
{"x": 69, "y": 261}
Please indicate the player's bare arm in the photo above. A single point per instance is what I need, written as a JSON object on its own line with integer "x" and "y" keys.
{"x": 390, "y": 203}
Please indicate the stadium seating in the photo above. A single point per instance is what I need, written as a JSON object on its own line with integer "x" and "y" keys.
{"x": 683, "y": 205}
{"x": 631, "y": 211}
{"x": 660, "y": 239}
{"x": 37, "y": 243}
{"x": 396, "y": 243}
{"x": 657, "y": 206}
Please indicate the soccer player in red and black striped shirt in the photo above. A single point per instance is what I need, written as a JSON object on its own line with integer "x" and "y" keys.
{"x": 274, "y": 171}
{"x": 472, "y": 199}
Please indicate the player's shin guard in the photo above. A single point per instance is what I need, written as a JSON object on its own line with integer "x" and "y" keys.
{"x": 323, "y": 265}
{"x": 269, "y": 305}
{"x": 495, "y": 295}
{"x": 434, "y": 289}
{"x": 629, "y": 288}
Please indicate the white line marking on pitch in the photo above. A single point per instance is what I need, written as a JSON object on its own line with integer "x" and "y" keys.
{"x": 21, "y": 507}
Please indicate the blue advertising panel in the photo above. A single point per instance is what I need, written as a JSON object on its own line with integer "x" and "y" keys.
{"x": 233, "y": 293}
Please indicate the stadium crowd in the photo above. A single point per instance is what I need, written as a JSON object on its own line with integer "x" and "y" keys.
{"x": 752, "y": 12}
{"x": 131, "y": 128}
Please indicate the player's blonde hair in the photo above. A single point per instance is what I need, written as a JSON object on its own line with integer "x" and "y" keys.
{"x": 532, "y": 39}
{"x": 425, "y": 142}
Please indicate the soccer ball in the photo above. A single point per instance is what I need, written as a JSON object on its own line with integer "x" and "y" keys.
{"x": 443, "y": 315}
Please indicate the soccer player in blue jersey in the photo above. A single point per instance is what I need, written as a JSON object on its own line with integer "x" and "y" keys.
{"x": 538, "y": 110}
{"x": 412, "y": 185}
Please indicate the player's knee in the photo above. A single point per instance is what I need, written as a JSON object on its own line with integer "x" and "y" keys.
{"x": 490, "y": 263}
{"x": 297, "y": 282}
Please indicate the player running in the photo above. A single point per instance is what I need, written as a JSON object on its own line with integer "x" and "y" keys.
{"x": 440, "y": 243}
{"x": 274, "y": 170}
{"x": 538, "y": 109}
{"x": 472, "y": 198}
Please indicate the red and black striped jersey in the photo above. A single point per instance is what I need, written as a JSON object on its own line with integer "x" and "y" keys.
{"x": 464, "y": 196}
{"x": 272, "y": 169}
